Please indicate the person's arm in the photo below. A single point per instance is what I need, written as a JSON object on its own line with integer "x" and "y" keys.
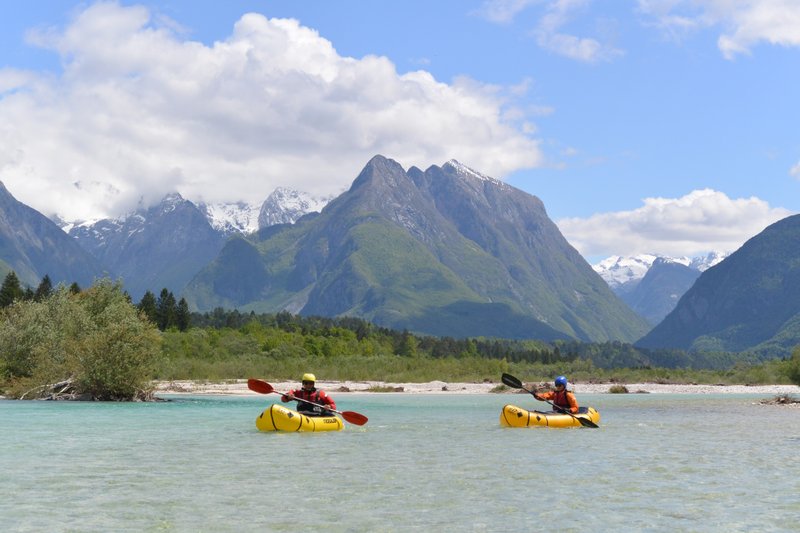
{"x": 542, "y": 396}
{"x": 287, "y": 397}
{"x": 573, "y": 403}
{"x": 327, "y": 400}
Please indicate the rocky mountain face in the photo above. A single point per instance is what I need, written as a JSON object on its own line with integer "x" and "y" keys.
{"x": 446, "y": 251}
{"x": 285, "y": 206}
{"x": 166, "y": 245}
{"x": 750, "y": 301}
{"x": 153, "y": 248}
{"x": 33, "y": 246}
{"x": 658, "y": 292}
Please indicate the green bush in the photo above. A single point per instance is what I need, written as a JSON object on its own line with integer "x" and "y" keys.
{"x": 92, "y": 343}
{"x": 793, "y": 367}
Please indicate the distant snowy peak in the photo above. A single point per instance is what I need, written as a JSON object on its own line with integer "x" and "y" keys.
{"x": 230, "y": 218}
{"x": 617, "y": 270}
{"x": 285, "y": 206}
{"x": 464, "y": 170}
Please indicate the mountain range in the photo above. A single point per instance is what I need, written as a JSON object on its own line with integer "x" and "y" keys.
{"x": 651, "y": 284}
{"x": 32, "y": 245}
{"x": 446, "y": 251}
{"x": 164, "y": 246}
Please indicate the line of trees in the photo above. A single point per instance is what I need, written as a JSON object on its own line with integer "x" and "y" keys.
{"x": 165, "y": 312}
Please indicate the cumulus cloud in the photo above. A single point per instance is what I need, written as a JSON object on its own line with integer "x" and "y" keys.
{"x": 700, "y": 222}
{"x": 744, "y": 23}
{"x": 795, "y": 171}
{"x": 139, "y": 111}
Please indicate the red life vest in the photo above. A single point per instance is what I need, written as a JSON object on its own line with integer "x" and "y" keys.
{"x": 560, "y": 400}
{"x": 315, "y": 396}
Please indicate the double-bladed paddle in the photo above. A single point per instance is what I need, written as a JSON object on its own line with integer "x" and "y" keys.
{"x": 263, "y": 387}
{"x": 514, "y": 383}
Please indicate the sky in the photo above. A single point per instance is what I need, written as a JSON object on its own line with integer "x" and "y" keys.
{"x": 669, "y": 127}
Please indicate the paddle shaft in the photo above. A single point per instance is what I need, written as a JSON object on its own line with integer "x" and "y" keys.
{"x": 513, "y": 382}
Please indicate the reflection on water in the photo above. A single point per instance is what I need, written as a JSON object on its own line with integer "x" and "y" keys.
{"x": 423, "y": 462}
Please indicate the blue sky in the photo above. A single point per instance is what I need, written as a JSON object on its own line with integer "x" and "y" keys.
{"x": 649, "y": 126}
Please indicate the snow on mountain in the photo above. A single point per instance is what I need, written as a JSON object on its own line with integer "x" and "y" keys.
{"x": 618, "y": 271}
{"x": 285, "y": 206}
{"x": 229, "y": 218}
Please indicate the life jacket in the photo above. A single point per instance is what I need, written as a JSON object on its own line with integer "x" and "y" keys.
{"x": 560, "y": 400}
{"x": 313, "y": 395}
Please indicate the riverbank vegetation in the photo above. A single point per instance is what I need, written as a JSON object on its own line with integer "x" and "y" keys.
{"x": 97, "y": 344}
{"x": 228, "y": 344}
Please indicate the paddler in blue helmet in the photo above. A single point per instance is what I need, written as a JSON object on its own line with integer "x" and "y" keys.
{"x": 562, "y": 399}
{"x": 309, "y": 392}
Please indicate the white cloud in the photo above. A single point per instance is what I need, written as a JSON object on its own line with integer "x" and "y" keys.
{"x": 744, "y": 23}
{"x": 700, "y": 222}
{"x": 503, "y": 11}
{"x": 548, "y": 31}
{"x": 139, "y": 111}
{"x": 795, "y": 171}
{"x": 550, "y": 37}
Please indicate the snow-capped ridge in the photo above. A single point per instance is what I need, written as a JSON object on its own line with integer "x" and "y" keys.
{"x": 464, "y": 170}
{"x": 618, "y": 270}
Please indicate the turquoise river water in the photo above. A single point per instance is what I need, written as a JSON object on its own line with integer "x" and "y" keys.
{"x": 659, "y": 462}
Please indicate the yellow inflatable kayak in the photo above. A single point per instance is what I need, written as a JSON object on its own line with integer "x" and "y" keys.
{"x": 279, "y": 418}
{"x": 517, "y": 417}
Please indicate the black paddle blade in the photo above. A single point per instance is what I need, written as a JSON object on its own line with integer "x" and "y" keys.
{"x": 585, "y": 422}
{"x": 511, "y": 381}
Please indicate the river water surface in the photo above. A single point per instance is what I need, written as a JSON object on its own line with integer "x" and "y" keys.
{"x": 659, "y": 462}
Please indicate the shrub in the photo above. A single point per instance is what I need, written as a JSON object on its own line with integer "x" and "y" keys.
{"x": 94, "y": 344}
{"x": 794, "y": 367}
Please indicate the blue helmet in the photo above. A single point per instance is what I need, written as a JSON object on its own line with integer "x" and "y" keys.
{"x": 561, "y": 380}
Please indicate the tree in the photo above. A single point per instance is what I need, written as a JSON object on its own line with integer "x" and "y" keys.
{"x": 407, "y": 346}
{"x": 117, "y": 359}
{"x": 147, "y": 305}
{"x": 44, "y": 289}
{"x": 182, "y": 315}
{"x": 11, "y": 290}
{"x": 165, "y": 310}
{"x": 794, "y": 366}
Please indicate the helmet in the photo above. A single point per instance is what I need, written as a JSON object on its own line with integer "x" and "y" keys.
{"x": 309, "y": 377}
{"x": 561, "y": 380}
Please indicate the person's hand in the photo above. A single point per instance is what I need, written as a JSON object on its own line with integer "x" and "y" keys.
{"x": 285, "y": 397}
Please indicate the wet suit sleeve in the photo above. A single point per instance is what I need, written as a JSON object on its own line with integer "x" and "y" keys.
{"x": 573, "y": 403}
{"x": 285, "y": 397}
{"x": 327, "y": 400}
{"x": 545, "y": 395}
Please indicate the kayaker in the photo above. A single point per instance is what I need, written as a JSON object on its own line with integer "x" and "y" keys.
{"x": 562, "y": 399}
{"x": 312, "y": 394}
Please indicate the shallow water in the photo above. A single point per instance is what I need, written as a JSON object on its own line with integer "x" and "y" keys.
{"x": 423, "y": 462}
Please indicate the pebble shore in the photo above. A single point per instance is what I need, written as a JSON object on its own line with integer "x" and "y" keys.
{"x": 239, "y": 387}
